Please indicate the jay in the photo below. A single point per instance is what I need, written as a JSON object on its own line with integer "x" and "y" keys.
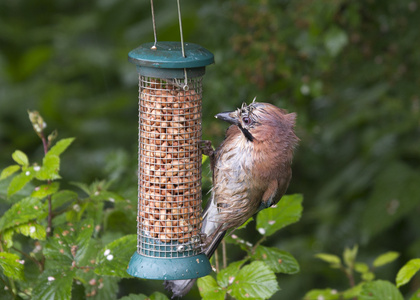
{"x": 251, "y": 171}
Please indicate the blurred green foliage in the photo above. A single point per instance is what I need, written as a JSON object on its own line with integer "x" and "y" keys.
{"x": 348, "y": 68}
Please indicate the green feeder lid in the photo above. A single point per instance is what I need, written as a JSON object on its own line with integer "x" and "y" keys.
{"x": 168, "y": 55}
{"x": 166, "y": 60}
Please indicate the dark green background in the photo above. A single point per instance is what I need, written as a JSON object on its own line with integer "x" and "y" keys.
{"x": 350, "y": 69}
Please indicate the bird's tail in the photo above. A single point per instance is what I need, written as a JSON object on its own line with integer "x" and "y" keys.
{"x": 214, "y": 234}
{"x": 179, "y": 288}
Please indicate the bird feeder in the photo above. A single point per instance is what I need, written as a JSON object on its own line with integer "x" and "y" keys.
{"x": 169, "y": 171}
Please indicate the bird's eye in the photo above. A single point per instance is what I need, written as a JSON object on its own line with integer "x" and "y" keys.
{"x": 246, "y": 120}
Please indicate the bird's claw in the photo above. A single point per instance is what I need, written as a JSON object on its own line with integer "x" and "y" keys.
{"x": 206, "y": 147}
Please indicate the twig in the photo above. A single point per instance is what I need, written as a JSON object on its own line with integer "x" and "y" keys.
{"x": 50, "y": 214}
{"x": 31, "y": 258}
{"x": 224, "y": 254}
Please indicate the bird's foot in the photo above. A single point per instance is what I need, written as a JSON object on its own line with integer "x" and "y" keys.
{"x": 206, "y": 147}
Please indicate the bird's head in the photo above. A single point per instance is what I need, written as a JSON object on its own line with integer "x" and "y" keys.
{"x": 259, "y": 121}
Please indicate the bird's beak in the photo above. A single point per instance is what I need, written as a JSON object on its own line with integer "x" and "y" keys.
{"x": 227, "y": 116}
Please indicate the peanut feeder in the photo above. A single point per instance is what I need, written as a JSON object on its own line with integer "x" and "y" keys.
{"x": 169, "y": 171}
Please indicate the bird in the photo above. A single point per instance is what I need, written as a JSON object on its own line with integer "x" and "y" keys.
{"x": 251, "y": 171}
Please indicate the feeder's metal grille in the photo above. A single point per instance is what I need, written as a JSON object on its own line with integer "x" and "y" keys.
{"x": 169, "y": 208}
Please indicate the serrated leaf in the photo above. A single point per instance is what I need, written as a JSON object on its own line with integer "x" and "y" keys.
{"x": 62, "y": 197}
{"x": 226, "y": 276}
{"x": 209, "y": 289}
{"x": 349, "y": 256}
{"x": 107, "y": 196}
{"x": 380, "y": 290}
{"x": 254, "y": 281}
{"x": 407, "y": 271}
{"x": 44, "y": 190}
{"x": 19, "y": 181}
{"x": 54, "y": 284}
{"x": 60, "y": 146}
{"x": 32, "y": 229}
{"x": 98, "y": 287}
{"x": 69, "y": 243}
{"x": 329, "y": 258}
{"x": 11, "y": 266}
{"x": 278, "y": 260}
{"x": 21, "y": 158}
{"x": 22, "y": 212}
{"x": 385, "y": 258}
{"x": 113, "y": 259}
{"x": 8, "y": 171}
{"x": 154, "y": 296}
{"x": 286, "y": 212}
{"x": 50, "y": 168}
{"x": 325, "y": 294}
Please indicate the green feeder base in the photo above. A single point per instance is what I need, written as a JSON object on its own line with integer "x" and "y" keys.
{"x": 169, "y": 268}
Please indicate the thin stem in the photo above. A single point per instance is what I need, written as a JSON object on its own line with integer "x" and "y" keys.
{"x": 216, "y": 258}
{"x": 50, "y": 214}
{"x": 30, "y": 257}
{"x": 224, "y": 254}
{"x": 258, "y": 243}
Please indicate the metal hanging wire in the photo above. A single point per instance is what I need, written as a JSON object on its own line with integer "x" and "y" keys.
{"x": 154, "y": 25}
{"x": 185, "y": 87}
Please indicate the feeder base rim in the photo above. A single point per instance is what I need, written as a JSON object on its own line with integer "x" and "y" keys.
{"x": 169, "y": 268}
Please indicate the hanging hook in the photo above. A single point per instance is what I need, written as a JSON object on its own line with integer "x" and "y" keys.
{"x": 154, "y": 25}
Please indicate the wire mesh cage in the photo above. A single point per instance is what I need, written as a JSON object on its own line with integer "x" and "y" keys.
{"x": 169, "y": 174}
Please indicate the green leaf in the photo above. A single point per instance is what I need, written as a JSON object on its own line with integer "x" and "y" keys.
{"x": 21, "y": 158}
{"x": 98, "y": 287}
{"x": 154, "y": 296}
{"x": 11, "y": 266}
{"x": 279, "y": 261}
{"x": 19, "y": 181}
{"x": 69, "y": 243}
{"x": 60, "y": 146}
{"x": 361, "y": 267}
{"x": 50, "y": 167}
{"x": 32, "y": 229}
{"x": 22, "y": 212}
{"x": 325, "y": 294}
{"x": 416, "y": 295}
{"x": 368, "y": 276}
{"x": 62, "y": 197}
{"x": 334, "y": 260}
{"x": 407, "y": 271}
{"x": 350, "y": 255}
{"x": 380, "y": 290}
{"x": 54, "y": 284}
{"x": 385, "y": 258}
{"x": 209, "y": 290}
{"x": 43, "y": 191}
{"x": 113, "y": 259}
{"x": 225, "y": 277}
{"x": 286, "y": 212}
{"x": 353, "y": 292}
{"x": 10, "y": 170}
{"x": 254, "y": 281}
